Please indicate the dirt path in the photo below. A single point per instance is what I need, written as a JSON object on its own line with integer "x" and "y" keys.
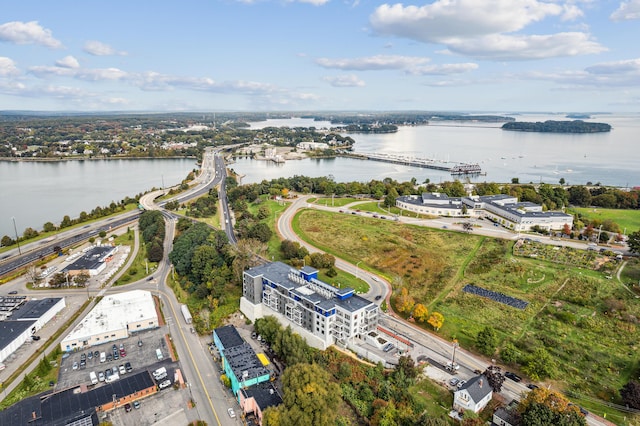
{"x": 620, "y": 280}
{"x": 530, "y": 320}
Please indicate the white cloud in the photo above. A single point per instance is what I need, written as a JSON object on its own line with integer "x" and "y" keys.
{"x": 444, "y": 69}
{"x": 628, "y": 10}
{"x": 627, "y": 66}
{"x": 28, "y": 33}
{"x": 523, "y": 47}
{"x": 98, "y": 48}
{"x": 8, "y": 67}
{"x": 349, "y": 80}
{"x": 444, "y": 19}
{"x": 68, "y": 62}
{"x": 379, "y": 62}
{"x": 485, "y": 29}
{"x": 89, "y": 74}
{"x": 314, "y": 2}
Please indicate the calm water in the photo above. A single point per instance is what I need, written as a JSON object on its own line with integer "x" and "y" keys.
{"x": 38, "y": 192}
{"x": 609, "y": 158}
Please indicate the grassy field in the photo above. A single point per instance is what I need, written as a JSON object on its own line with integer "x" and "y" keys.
{"x": 335, "y": 202}
{"x": 629, "y": 219}
{"x": 585, "y": 321}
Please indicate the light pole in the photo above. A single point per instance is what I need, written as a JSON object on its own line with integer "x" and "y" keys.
{"x": 16, "y": 231}
{"x": 357, "y": 269}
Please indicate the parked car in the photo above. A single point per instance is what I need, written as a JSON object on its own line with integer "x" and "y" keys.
{"x": 90, "y": 355}
{"x": 101, "y": 376}
{"x": 122, "y": 370}
{"x": 83, "y": 357}
{"x": 75, "y": 365}
{"x": 512, "y": 376}
{"x": 36, "y": 338}
{"x": 231, "y": 413}
{"x": 127, "y": 366}
{"x": 13, "y": 292}
{"x": 461, "y": 383}
{"x": 454, "y": 381}
{"x": 165, "y": 384}
{"x": 532, "y": 386}
{"x": 96, "y": 354}
{"x": 127, "y": 407}
{"x": 378, "y": 297}
{"x": 136, "y": 404}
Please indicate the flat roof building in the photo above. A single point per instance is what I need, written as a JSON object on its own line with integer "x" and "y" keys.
{"x": 93, "y": 261}
{"x": 319, "y": 312}
{"x": 113, "y": 318}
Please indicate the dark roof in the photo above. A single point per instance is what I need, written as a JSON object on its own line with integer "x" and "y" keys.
{"x": 243, "y": 359}
{"x": 91, "y": 260}
{"x": 229, "y": 336}
{"x": 265, "y": 395}
{"x": 34, "y": 309}
{"x": 508, "y": 415}
{"x": 353, "y": 303}
{"x": 72, "y": 405}
{"x": 478, "y": 387}
{"x": 9, "y": 330}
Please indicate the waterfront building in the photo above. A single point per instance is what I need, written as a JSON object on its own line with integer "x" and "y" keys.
{"x": 319, "y": 312}
{"x": 502, "y": 209}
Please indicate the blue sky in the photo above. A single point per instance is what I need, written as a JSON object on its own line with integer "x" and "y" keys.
{"x": 453, "y": 55}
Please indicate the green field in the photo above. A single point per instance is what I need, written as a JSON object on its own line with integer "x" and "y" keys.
{"x": 626, "y": 219}
{"x": 584, "y": 320}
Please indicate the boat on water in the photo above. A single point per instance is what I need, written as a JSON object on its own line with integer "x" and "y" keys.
{"x": 466, "y": 169}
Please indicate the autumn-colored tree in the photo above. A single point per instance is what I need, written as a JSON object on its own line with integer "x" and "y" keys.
{"x": 436, "y": 320}
{"x": 588, "y": 231}
{"x": 404, "y": 301}
{"x": 549, "y": 398}
{"x": 566, "y": 229}
{"x": 420, "y": 312}
{"x": 284, "y": 192}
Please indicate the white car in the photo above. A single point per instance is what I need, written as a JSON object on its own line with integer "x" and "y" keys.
{"x": 231, "y": 413}
{"x": 122, "y": 370}
{"x": 165, "y": 384}
{"x": 101, "y": 376}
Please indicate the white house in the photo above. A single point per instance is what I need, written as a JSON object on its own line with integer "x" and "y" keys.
{"x": 474, "y": 395}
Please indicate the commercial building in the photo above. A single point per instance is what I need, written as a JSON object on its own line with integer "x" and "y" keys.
{"x": 22, "y": 318}
{"x": 256, "y": 399}
{"x": 115, "y": 317}
{"x": 502, "y": 209}
{"x": 319, "y": 312}
{"x": 79, "y": 405}
{"x": 93, "y": 261}
{"x": 241, "y": 364}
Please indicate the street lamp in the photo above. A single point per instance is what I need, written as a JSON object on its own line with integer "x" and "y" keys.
{"x": 16, "y": 231}
{"x": 357, "y": 268}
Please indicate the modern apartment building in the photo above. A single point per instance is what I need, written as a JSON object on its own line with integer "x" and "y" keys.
{"x": 319, "y": 312}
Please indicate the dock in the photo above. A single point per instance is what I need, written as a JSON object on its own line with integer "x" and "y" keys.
{"x": 425, "y": 163}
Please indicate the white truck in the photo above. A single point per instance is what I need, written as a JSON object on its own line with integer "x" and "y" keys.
{"x": 93, "y": 377}
{"x": 160, "y": 373}
{"x": 186, "y": 314}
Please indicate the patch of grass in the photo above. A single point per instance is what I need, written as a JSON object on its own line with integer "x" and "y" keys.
{"x": 629, "y": 219}
{"x": 435, "y": 399}
{"x": 335, "y": 202}
{"x": 569, "y": 311}
{"x": 138, "y": 268}
{"x": 275, "y": 210}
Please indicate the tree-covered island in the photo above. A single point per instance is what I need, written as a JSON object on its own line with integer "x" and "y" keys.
{"x": 551, "y": 126}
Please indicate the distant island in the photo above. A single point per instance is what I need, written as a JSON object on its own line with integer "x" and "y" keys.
{"x": 550, "y": 126}
{"x": 578, "y": 116}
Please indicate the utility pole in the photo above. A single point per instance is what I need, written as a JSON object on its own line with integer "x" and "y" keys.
{"x": 16, "y": 231}
{"x": 453, "y": 357}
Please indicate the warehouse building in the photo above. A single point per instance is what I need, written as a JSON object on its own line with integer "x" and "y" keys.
{"x": 93, "y": 261}
{"x": 115, "y": 317}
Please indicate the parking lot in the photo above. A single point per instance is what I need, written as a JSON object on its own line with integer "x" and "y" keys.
{"x": 140, "y": 351}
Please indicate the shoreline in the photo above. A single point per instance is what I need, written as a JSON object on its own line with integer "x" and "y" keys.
{"x": 61, "y": 159}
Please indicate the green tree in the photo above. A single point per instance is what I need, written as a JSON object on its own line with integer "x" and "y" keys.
{"x": 48, "y": 227}
{"x": 487, "y": 340}
{"x": 633, "y": 241}
{"x": 310, "y": 398}
{"x": 7, "y": 241}
{"x": 540, "y": 365}
{"x": 81, "y": 279}
{"x": 509, "y": 354}
{"x": 390, "y": 199}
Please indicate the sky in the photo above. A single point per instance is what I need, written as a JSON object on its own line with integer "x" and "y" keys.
{"x": 321, "y": 55}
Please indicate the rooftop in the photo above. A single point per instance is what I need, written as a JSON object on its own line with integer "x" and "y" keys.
{"x": 265, "y": 395}
{"x": 478, "y": 387}
{"x": 244, "y": 361}
{"x": 229, "y": 336}
{"x": 34, "y": 309}
{"x": 9, "y": 330}
{"x": 114, "y": 312}
{"x": 91, "y": 259}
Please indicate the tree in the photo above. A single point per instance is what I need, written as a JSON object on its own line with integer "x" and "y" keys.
{"x": 436, "y": 320}
{"x": 487, "y": 340}
{"x": 467, "y": 226}
{"x": 566, "y": 229}
{"x": 515, "y": 181}
{"x": 562, "y": 181}
{"x": 509, "y": 354}
{"x": 540, "y": 365}
{"x": 33, "y": 274}
{"x": 633, "y": 241}
{"x": 81, "y": 279}
{"x": 420, "y": 312}
{"x": 495, "y": 378}
{"x": 407, "y": 365}
{"x": 390, "y": 199}
{"x": 630, "y": 394}
{"x": 310, "y": 398}
{"x": 58, "y": 280}
{"x": 30, "y": 233}
{"x": 404, "y": 301}
{"x": 542, "y": 415}
{"x": 261, "y": 232}
{"x": 48, "y": 227}
{"x": 7, "y": 241}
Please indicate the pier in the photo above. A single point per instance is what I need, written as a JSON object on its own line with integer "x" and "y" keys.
{"x": 425, "y": 163}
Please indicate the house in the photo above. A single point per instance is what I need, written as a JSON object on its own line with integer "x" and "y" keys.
{"x": 506, "y": 416}
{"x": 255, "y": 399}
{"x": 473, "y": 395}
